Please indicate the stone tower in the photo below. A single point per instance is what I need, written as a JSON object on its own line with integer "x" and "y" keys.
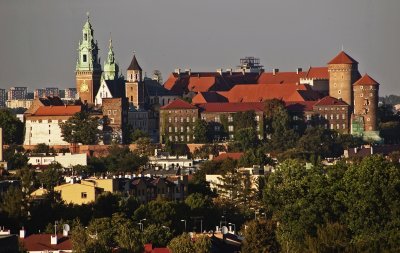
{"x": 88, "y": 68}
{"x": 134, "y": 88}
{"x": 111, "y": 68}
{"x": 343, "y": 73}
{"x": 366, "y": 96}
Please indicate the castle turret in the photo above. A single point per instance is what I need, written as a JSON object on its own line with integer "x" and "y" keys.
{"x": 366, "y": 96}
{"x": 343, "y": 72}
{"x": 111, "y": 68}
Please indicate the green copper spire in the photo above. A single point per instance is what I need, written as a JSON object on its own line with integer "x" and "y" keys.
{"x": 88, "y": 50}
{"x": 110, "y": 66}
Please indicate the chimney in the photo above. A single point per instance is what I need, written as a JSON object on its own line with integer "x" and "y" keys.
{"x": 298, "y": 70}
{"x": 22, "y": 233}
{"x": 178, "y": 71}
{"x": 219, "y": 71}
{"x": 372, "y": 150}
{"x": 229, "y": 71}
{"x": 274, "y": 71}
{"x": 53, "y": 240}
{"x": 65, "y": 233}
{"x": 1, "y": 144}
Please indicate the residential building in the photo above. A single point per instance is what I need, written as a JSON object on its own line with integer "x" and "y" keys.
{"x": 165, "y": 161}
{"x": 70, "y": 93}
{"x": 41, "y": 243}
{"x": 39, "y": 93}
{"x": 19, "y": 103}
{"x": 79, "y": 193}
{"x": 3, "y": 97}
{"x": 334, "y": 114}
{"x": 66, "y": 160}
{"x": 15, "y": 93}
{"x": 43, "y": 124}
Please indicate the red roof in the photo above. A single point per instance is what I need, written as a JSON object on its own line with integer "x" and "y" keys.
{"x": 343, "y": 58}
{"x": 232, "y": 107}
{"x": 67, "y": 110}
{"x": 178, "y": 104}
{"x": 262, "y": 92}
{"x": 148, "y": 248}
{"x": 223, "y": 156}
{"x": 330, "y": 101}
{"x": 366, "y": 80}
{"x": 42, "y": 242}
{"x": 280, "y": 77}
{"x": 318, "y": 73}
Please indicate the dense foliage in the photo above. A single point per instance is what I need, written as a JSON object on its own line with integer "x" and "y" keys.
{"x": 81, "y": 128}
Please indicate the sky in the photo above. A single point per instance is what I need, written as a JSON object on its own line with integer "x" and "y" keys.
{"x": 39, "y": 39}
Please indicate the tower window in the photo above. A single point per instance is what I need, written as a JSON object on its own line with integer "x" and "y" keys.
{"x": 84, "y": 58}
{"x": 339, "y": 91}
{"x": 85, "y": 35}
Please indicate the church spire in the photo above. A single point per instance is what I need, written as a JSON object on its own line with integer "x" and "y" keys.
{"x": 110, "y": 66}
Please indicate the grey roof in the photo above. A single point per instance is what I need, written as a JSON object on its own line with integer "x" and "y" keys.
{"x": 154, "y": 88}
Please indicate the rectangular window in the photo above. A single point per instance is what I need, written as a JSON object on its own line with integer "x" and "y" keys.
{"x": 230, "y": 118}
{"x": 181, "y": 119}
{"x": 344, "y": 126}
{"x": 176, "y": 129}
{"x": 181, "y": 128}
{"x": 343, "y": 116}
{"x": 84, "y": 58}
{"x": 337, "y": 116}
{"x": 169, "y": 119}
{"x": 83, "y": 195}
{"x": 170, "y": 129}
{"x": 187, "y": 119}
{"x": 109, "y": 112}
{"x": 176, "y": 119}
{"x": 216, "y": 119}
{"x": 257, "y": 118}
{"x": 216, "y": 128}
{"x": 114, "y": 112}
{"x": 188, "y": 129}
{"x": 194, "y": 119}
{"x": 230, "y": 128}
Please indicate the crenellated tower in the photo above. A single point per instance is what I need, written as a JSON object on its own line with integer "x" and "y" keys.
{"x": 88, "y": 68}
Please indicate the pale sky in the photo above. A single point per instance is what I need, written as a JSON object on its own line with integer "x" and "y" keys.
{"x": 39, "y": 38}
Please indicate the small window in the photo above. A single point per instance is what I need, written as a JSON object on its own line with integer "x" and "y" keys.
{"x": 230, "y": 128}
{"x": 230, "y": 118}
{"x": 339, "y": 91}
{"x": 361, "y": 95}
{"x": 114, "y": 112}
{"x": 85, "y": 35}
{"x": 83, "y": 195}
{"x": 84, "y": 58}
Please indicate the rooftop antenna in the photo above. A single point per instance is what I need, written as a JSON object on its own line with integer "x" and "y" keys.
{"x": 87, "y": 14}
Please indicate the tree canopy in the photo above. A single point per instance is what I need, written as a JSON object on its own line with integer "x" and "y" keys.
{"x": 81, "y": 128}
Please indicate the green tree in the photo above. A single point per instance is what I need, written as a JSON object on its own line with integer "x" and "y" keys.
{"x": 136, "y": 134}
{"x": 244, "y": 120}
{"x": 28, "y": 180}
{"x": 202, "y": 244}
{"x": 106, "y": 204}
{"x": 13, "y": 129}
{"x": 12, "y": 203}
{"x": 260, "y": 236}
{"x": 201, "y": 132}
{"x": 81, "y": 128}
{"x": 370, "y": 196}
{"x": 158, "y": 236}
{"x": 51, "y": 176}
{"x": 145, "y": 147}
{"x": 121, "y": 159}
{"x": 79, "y": 238}
{"x": 102, "y": 233}
{"x": 127, "y": 235}
{"x": 181, "y": 244}
{"x": 43, "y": 148}
{"x": 245, "y": 138}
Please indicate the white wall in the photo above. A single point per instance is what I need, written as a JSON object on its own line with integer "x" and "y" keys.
{"x": 43, "y": 132}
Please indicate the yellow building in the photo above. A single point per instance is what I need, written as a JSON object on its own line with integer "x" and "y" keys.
{"x": 79, "y": 193}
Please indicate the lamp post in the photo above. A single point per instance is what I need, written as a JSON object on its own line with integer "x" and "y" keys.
{"x": 234, "y": 227}
{"x": 141, "y": 224}
{"x": 185, "y": 224}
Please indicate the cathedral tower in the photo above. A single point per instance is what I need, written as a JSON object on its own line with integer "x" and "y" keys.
{"x": 366, "y": 96}
{"x": 110, "y": 66}
{"x": 88, "y": 68}
{"x": 134, "y": 88}
{"x": 343, "y": 73}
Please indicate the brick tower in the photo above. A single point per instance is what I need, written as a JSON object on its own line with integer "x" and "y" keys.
{"x": 343, "y": 72}
{"x": 366, "y": 96}
{"x": 88, "y": 68}
{"x": 134, "y": 87}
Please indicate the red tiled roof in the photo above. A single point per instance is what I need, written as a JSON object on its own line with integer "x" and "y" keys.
{"x": 262, "y": 92}
{"x": 366, "y": 80}
{"x": 223, "y": 156}
{"x": 330, "y": 101}
{"x": 42, "y": 242}
{"x": 318, "y": 73}
{"x": 232, "y": 107}
{"x": 342, "y": 58}
{"x": 178, "y": 104}
{"x": 280, "y": 77}
{"x": 67, "y": 110}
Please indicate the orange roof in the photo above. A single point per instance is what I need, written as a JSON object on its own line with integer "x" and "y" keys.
{"x": 232, "y": 107}
{"x": 199, "y": 84}
{"x": 300, "y": 106}
{"x": 42, "y": 242}
{"x": 262, "y": 92}
{"x": 366, "y": 80}
{"x": 318, "y": 73}
{"x": 67, "y": 110}
{"x": 208, "y": 97}
{"x": 330, "y": 101}
{"x": 178, "y": 104}
{"x": 223, "y": 156}
{"x": 280, "y": 77}
{"x": 343, "y": 58}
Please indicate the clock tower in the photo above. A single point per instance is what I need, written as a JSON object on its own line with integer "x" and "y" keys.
{"x": 88, "y": 68}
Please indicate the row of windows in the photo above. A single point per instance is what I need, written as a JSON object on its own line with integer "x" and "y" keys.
{"x": 48, "y": 121}
{"x": 181, "y": 111}
{"x": 230, "y": 118}
{"x": 370, "y": 94}
{"x": 182, "y": 129}
{"x": 332, "y": 116}
{"x": 114, "y": 112}
{"x": 182, "y": 119}
{"x": 337, "y": 126}
{"x": 180, "y": 138}
{"x": 332, "y": 108}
